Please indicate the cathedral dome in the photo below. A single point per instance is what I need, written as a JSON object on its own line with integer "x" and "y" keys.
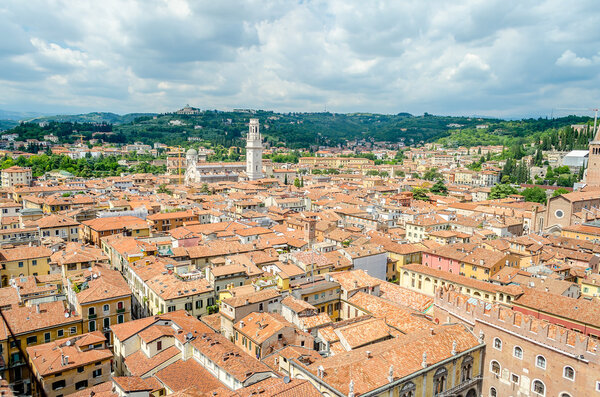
{"x": 191, "y": 152}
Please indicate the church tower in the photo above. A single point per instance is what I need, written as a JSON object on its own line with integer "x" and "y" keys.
{"x": 593, "y": 166}
{"x": 254, "y": 150}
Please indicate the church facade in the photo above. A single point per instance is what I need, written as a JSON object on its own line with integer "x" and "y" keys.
{"x": 205, "y": 172}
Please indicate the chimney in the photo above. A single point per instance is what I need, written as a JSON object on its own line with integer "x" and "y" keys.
{"x": 368, "y": 353}
{"x": 424, "y": 362}
{"x": 454, "y": 344}
{"x": 241, "y": 324}
{"x": 37, "y": 308}
{"x": 431, "y": 330}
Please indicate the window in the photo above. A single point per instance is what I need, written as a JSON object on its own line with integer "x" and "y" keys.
{"x": 467, "y": 369}
{"x": 47, "y": 337}
{"x": 559, "y": 214}
{"x": 92, "y": 326}
{"x": 31, "y": 340}
{"x": 81, "y": 385}
{"x": 106, "y": 308}
{"x": 518, "y": 352}
{"x": 199, "y": 304}
{"x": 565, "y": 395}
{"x": 493, "y": 392}
{"x": 538, "y": 387}
{"x": 188, "y": 306}
{"x": 497, "y": 343}
{"x": 106, "y": 323}
{"x": 119, "y": 305}
{"x": 159, "y": 345}
{"x": 58, "y": 384}
{"x": 91, "y": 311}
{"x": 540, "y": 362}
{"x": 171, "y": 308}
{"x": 120, "y": 319}
{"x": 80, "y": 369}
{"x": 73, "y": 330}
{"x": 20, "y": 264}
{"x": 439, "y": 380}
{"x": 408, "y": 390}
{"x": 514, "y": 378}
{"x": 97, "y": 373}
{"x": 34, "y": 262}
{"x": 495, "y": 368}
{"x": 60, "y": 333}
{"x": 569, "y": 373}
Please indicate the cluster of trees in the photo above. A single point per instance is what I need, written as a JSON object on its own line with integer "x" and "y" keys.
{"x": 326, "y": 171}
{"x": 102, "y": 166}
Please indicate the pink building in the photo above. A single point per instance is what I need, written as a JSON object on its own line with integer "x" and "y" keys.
{"x": 444, "y": 258}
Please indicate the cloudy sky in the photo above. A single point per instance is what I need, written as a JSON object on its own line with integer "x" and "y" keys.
{"x": 486, "y": 57}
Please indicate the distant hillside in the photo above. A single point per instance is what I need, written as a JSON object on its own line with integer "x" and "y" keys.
{"x": 16, "y": 116}
{"x": 94, "y": 117}
{"x": 295, "y": 130}
{"x": 7, "y": 124}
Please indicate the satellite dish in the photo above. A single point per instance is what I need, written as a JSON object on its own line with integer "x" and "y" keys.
{"x": 67, "y": 315}
{"x": 94, "y": 275}
{"x": 286, "y": 379}
{"x": 68, "y": 343}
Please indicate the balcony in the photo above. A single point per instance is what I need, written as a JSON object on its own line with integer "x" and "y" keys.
{"x": 460, "y": 387}
{"x": 92, "y": 316}
{"x": 121, "y": 310}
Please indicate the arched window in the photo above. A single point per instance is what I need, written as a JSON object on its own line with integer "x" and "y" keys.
{"x": 408, "y": 390}
{"x": 495, "y": 367}
{"x": 439, "y": 380}
{"x": 565, "y": 395}
{"x": 540, "y": 362}
{"x": 498, "y": 343}
{"x": 518, "y": 352}
{"x": 493, "y": 392}
{"x": 466, "y": 372}
{"x": 569, "y": 373}
{"x": 538, "y": 387}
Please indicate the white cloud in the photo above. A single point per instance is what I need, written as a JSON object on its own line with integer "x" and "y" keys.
{"x": 495, "y": 57}
{"x": 569, "y": 58}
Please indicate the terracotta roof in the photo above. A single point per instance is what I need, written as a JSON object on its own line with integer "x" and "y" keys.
{"x": 139, "y": 364}
{"x": 183, "y": 374}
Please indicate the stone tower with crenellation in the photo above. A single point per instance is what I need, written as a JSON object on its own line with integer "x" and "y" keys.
{"x": 592, "y": 177}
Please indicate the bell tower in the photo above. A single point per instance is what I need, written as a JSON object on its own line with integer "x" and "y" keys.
{"x": 592, "y": 177}
{"x": 254, "y": 150}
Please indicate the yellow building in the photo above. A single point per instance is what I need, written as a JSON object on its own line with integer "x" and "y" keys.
{"x": 427, "y": 280}
{"x": 482, "y": 264}
{"x": 103, "y": 298}
{"x": 322, "y": 294}
{"x": 32, "y": 325}
{"x": 582, "y": 232}
{"x": 400, "y": 255}
{"x": 24, "y": 261}
{"x": 590, "y": 285}
{"x": 70, "y": 364}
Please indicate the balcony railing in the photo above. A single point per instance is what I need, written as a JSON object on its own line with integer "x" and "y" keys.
{"x": 92, "y": 316}
{"x": 121, "y": 310}
{"x": 461, "y": 386}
